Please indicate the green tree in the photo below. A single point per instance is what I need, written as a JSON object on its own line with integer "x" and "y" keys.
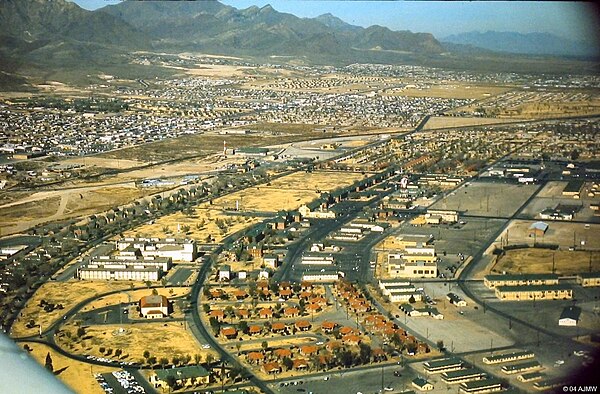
{"x": 264, "y": 345}
{"x": 288, "y": 363}
{"x": 440, "y": 344}
{"x": 171, "y": 381}
{"x": 80, "y": 332}
{"x": 365, "y": 353}
{"x": 163, "y": 361}
{"x": 197, "y": 358}
{"x": 210, "y": 358}
{"x": 48, "y": 363}
{"x": 146, "y": 354}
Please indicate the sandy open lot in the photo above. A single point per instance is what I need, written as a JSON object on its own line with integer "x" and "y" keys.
{"x": 538, "y": 261}
{"x": 487, "y": 199}
{"x": 440, "y": 122}
{"x": 101, "y": 162}
{"x": 77, "y": 375}
{"x": 564, "y": 234}
{"x": 454, "y": 90}
{"x": 287, "y": 193}
{"x": 201, "y": 225}
{"x": 66, "y": 293}
{"x": 159, "y": 338}
{"x": 55, "y": 205}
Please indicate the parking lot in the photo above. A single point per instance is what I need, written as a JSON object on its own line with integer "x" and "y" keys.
{"x": 120, "y": 382}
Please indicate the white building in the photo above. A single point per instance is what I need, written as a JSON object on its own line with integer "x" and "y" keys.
{"x": 176, "y": 249}
{"x": 121, "y": 271}
{"x": 154, "y": 306}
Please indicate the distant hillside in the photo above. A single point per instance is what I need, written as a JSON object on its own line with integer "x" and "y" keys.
{"x": 40, "y": 36}
{"x": 530, "y": 43}
{"x": 212, "y": 26}
{"x": 57, "y": 40}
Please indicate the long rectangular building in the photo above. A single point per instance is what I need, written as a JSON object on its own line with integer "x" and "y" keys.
{"x": 508, "y": 357}
{"x": 463, "y": 375}
{"x": 164, "y": 263}
{"x": 119, "y": 272}
{"x": 589, "y": 279}
{"x": 443, "y": 365}
{"x": 521, "y": 367}
{"x": 482, "y": 386}
{"x": 176, "y": 249}
{"x": 536, "y": 292}
{"x": 492, "y": 281}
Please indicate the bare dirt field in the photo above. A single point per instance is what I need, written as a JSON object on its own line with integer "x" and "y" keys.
{"x": 202, "y": 224}
{"x": 159, "y": 338}
{"x": 539, "y": 261}
{"x": 440, "y": 122}
{"x": 134, "y": 296}
{"x": 102, "y": 162}
{"x": 77, "y": 375}
{"x": 54, "y": 205}
{"x": 322, "y": 180}
{"x": 487, "y": 199}
{"x": 564, "y": 234}
{"x": 454, "y": 90}
{"x": 287, "y": 193}
{"x": 66, "y": 293}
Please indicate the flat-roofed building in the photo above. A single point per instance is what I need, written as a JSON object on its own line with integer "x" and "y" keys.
{"x": 589, "y": 279}
{"x": 321, "y": 276}
{"x": 175, "y": 248}
{"x": 492, "y": 281}
{"x": 534, "y": 292}
{"x": 164, "y": 263}
{"x": 398, "y": 267}
{"x": 446, "y": 215}
{"x": 413, "y": 240}
{"x": 508, "y": 357}
{"x": 119, "y": 272}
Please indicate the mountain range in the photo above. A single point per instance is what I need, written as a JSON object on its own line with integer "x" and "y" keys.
{"x": 47, "y": 39}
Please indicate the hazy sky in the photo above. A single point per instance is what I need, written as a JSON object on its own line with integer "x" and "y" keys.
{"x": 574, "y": 20}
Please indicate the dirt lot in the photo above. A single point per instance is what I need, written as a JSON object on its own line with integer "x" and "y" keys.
{"x": 563, "y": 234}
{"x": 54, "y": 205}
{"x": 455, "y": 90}
{"x": 537, "y": 261}
{"x": 104, "y": 163}
{"x": 159, "y": 338}
{"x": 487, "y": 199}
{"x": 66, "y": 293}
{"x": 440, "y": 122}
{"x": 77, "y": 375}
{"x": 321, "y": 180}
{"x": 202, "y": 224}
{"x": 287, "y": 193}
{"x": 134, "y": 296}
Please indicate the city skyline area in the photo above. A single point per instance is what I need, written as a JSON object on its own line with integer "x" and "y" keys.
{"x": 283, "y": 197}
